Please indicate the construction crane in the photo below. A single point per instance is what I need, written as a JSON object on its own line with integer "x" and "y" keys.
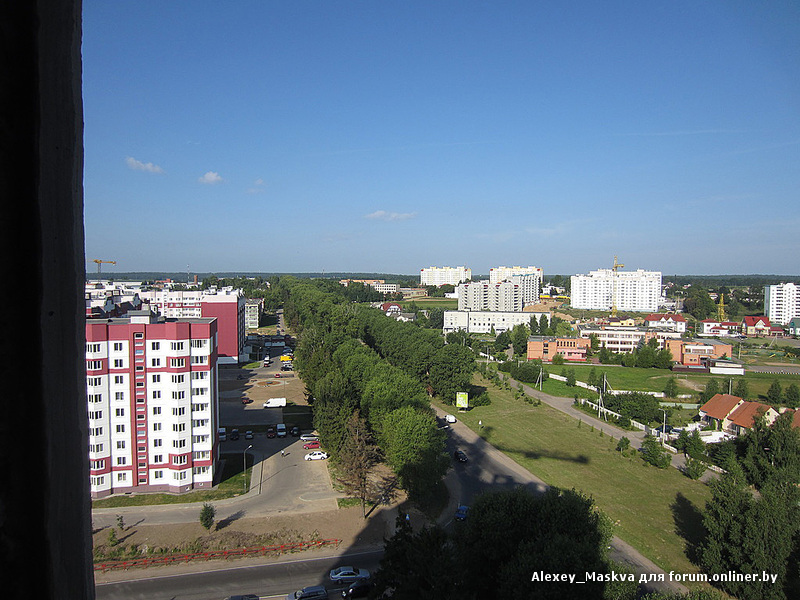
{"x": 721, "y": 309}
{"x": 614, "y": 270}
{"x": 99, "y": 262}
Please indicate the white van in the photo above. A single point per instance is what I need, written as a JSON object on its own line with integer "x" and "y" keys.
{"x": 275, "y": 403}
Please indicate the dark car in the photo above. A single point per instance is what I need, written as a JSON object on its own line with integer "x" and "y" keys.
{"x": 246, "y": 400}
{"x": 271, "y": 432}
{"x": 294, "y": 431}
{"x": 234, "y": 434}
{"x": 460, "y": 456}
{"x": 243, "y": 597}
{"x": 359, "y": 589}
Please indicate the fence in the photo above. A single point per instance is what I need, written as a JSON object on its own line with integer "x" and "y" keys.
{"x": 172, "y": 559}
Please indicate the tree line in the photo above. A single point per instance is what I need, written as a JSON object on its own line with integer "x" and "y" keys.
{"x": 356, "y": 361}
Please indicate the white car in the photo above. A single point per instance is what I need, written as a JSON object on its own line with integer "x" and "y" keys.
{"x": 348, "y": 574}
{"x": 316, "y": 455}
{"x": 450, "y": 418}
{"x": 309, "y": 437}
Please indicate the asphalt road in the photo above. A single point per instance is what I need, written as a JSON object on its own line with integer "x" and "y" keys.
{"x": 267, "y": 578}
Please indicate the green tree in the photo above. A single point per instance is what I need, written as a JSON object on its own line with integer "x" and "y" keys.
{"x": 741, "y": 389}
{"x": 451, "y": 371}
{"x": 207, "y": 515}
{"x": 793, "y": 396}
{"x": 671, "y": 388}
{"x": 694, "y": 468}
{"x": 775, "y": 393}
{"x": 357, "y": 458}
{"x": 654, "y": 454}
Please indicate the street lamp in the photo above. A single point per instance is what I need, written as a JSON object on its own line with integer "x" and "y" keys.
{"x": 244, "y": 466}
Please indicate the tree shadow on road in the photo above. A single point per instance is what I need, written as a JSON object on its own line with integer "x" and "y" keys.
{"x": 222, "y": 524}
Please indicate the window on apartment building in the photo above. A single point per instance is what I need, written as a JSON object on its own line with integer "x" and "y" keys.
{"x": 95, "y": 398}
{"x": 156, "y": 378}
{"x": 119, "y": 363}
{"x": 94, "y": 381}
{"x": 178, "y": 411}
{"x": 98, "y": 480}
{"x": 158, "y": 474}
{"x": 120, "y": 444}
{"x": 94, "y": 365}
{"x": 178, "y": 444}
{"x": 97, "y": 414}
{"x": 178, "y": 378}
{"x": 156, "y": 426}
{"x": 158, "y": 442}
{"x": 155, "y": 362}
{"x": 178, "y": 395}
{"x": 121, "y": 460}
{"x": 155, "y": 345}
{"x": 120, "y": 412}
{"x": 176, "y": 345}
{"x": 122, "y": 477}
{"x": 177, "y": 362}
{"x": 199, "y": 360}
{"x": 117, "y": 346}
{"x": 91, "y": 348}
{"x": 119, "y": 379}
{"x": 95, "y": 448}
{"x": 199, "y": 343}
{"x": 119, "y": 395}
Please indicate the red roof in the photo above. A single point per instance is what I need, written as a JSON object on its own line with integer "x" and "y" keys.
{"x": 721, "y": 405}
{"x": 746, "y": 414}
{"x": 753, "y": 321}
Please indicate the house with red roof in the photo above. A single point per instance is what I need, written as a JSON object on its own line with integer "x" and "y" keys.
{"x": 734, "y": 415}
{"x": 666, "y": 321}
{"x": 756, "y": 326}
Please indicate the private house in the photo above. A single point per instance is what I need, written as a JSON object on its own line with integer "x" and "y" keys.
{"x": 793, "y": 327}
{"x": 666, "y": 321}
{"x": 545, "y": 348}
{"x": 756, "y": 326}
{"x": 731, "y": 414}
{"x": 710, "y": 327}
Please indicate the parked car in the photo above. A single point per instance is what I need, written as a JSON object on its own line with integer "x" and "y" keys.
{"x": 311, "y": 445}
{"x": 348, "y": 574}
{"x": 234, "y": 434}
{"x": 316, "y": 455}
{"x": 248, "y": 435}
{"x": 270, "y": 432}
{"x": 309, "y": 437}
{"x": 460, "y": 456}
{"x": 450, "y": 418}
{"x": 461, "y": 513}
{"x": 281, "y": 429}
{"x": 222, "y": 434}
{"x": 312, "y": 592}
{"x": 246, "y": 400}
{"x": 294, "y": 431}
{"x": 358, "y": 589}
{"x": 243, "y": 597}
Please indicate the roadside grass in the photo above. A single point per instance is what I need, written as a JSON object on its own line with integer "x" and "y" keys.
{"x": 232, "y": 483}
{"x": 656, "y": 511}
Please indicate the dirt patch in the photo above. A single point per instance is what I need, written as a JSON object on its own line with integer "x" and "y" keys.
{"x": 345, "y": 524}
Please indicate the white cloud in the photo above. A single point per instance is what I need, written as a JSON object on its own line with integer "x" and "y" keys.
{"x": 210, "y": 178}
{"x": 382, "y": 215}
{"x": 138, "y": 165}
{"x": 258, "y": 187}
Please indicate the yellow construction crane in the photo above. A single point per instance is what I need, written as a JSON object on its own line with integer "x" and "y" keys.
{"x": 721, "y": 309}
{"x": 614, "y": 270}
{"x": 99, "y": 262}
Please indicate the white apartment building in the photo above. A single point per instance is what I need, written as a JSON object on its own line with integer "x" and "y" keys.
{"x": 152, "y": 400}
{"x": 498, "y": 274}
{"x": 627, "y": 290}
{"x": 781, "y": 303}
{"x": 444, "y": 275}
{"x": 485, "y": 321}
{"x": 252, "y": 312}
{"x": 484, "y": 296}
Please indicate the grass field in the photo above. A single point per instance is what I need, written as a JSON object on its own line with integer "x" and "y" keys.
{"x": 648, "y": 505}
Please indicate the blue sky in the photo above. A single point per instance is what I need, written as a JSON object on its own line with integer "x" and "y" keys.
{"x": 307, "y": 136}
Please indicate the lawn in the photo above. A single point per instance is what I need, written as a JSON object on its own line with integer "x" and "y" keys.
{"x": 648, "y": 505}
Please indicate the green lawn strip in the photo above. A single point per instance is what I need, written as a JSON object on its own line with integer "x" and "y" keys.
{"x": 640, "y": 499}
{"x": 232, "y": 484}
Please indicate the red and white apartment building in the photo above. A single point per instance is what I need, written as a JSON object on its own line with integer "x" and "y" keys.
{"x": 152, "y": 395}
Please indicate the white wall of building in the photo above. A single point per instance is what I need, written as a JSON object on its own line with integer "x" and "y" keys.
{"x": 781, "y": 303}
{"x": 444, "y": 275}
{"x": 485, "y": 321}
{"x": 633, "y": 290}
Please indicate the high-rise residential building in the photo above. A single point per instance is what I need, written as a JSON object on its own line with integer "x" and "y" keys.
{"x": 782, "y": 302}
{"x": 482, "y": 295}
{"x": 529, "y": 280}
{"x": 227, "y": 305}
{"x": 497, "y": 274}
{"x": 487, "y": 321}
{"x": 152, "y": 397}
{"x": 608, "y": 289}
{"x": 444, "y": 275}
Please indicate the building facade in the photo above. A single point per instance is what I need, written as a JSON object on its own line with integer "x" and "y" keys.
{"x": 545, "y": 348}
{"x": 152, "y": 398}
{"x": 227, "y": 305}
{"x": 487, "y": 321}
{"x": 782, "y": 302}
{"x": 485, "y": 296}
{"x": 606, "y": 289}
{"x": 444, "y": 275}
